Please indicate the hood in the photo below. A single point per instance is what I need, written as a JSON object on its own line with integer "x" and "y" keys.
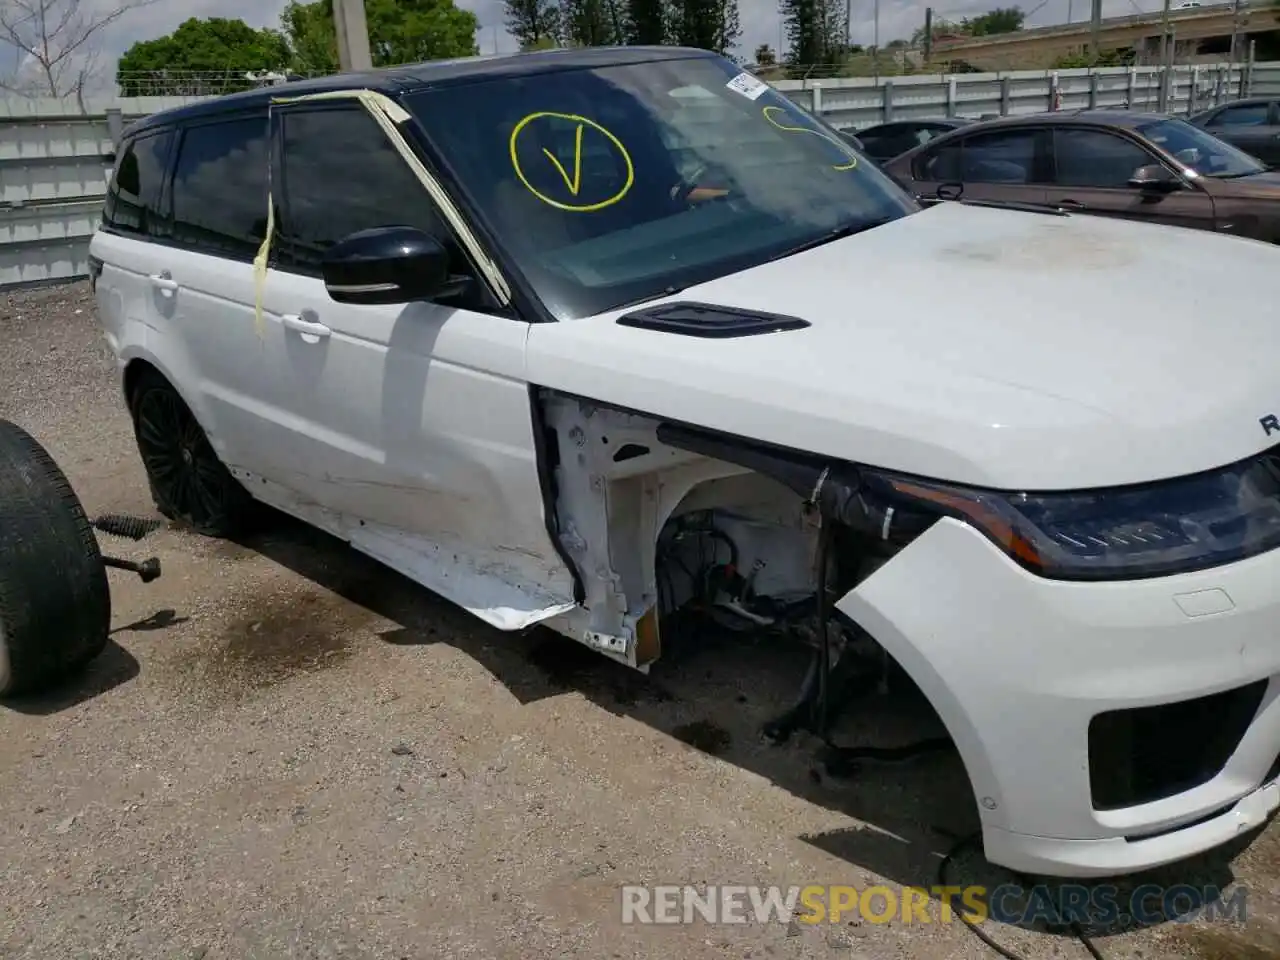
{"x": 984, "y": 346}
{"x": 1263, "y": 184}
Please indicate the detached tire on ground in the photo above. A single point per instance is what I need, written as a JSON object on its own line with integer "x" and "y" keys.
{"x": 55, "y": 603}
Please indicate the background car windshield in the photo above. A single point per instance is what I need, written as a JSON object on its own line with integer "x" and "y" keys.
{"x": 1200, "y": 151}
{"x": 621, "y": 183}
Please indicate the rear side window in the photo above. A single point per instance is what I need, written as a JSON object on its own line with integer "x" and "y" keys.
{"x": 341, "y": 174}
{"x": 1247, "y": 115}
{"x": 134, "y": 195}
{"x": 1001, "y": 156}
{"x": 891, "y": 141}
{"x": 220, "y": 187}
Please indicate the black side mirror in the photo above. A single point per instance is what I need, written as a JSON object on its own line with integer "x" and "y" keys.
{"x": 949, "y": 191}
{"x": 1154, "y": 178}
{"x": 389, "y": 265}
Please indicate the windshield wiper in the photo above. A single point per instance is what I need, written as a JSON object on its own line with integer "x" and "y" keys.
{"x": 831, "y": 236}
{"x": 666, "y": 292}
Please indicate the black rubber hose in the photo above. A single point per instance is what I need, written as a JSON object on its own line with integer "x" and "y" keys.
{"x": 972, "y": 841}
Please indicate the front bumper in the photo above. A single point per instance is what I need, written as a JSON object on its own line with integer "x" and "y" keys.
{"x": 1018, "y": 667}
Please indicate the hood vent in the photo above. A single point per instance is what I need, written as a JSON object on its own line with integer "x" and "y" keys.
{"x": 707, "y": 320}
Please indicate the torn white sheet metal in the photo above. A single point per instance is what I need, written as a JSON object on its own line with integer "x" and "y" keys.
{"x": 505, "y": 588}
{"x": 477, "y": 580}
{"x": 389, "y": 115}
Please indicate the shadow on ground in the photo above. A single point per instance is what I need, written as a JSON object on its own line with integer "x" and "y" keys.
{"x": 112, "y": 668}
{"x": 714, "y": 695}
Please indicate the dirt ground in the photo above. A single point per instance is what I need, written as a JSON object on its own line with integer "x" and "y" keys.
{"x": 288, "y": 751}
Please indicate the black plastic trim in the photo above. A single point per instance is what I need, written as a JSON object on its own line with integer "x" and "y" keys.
{"x": 693, "y": 319}
{"x": 544, "y": 452}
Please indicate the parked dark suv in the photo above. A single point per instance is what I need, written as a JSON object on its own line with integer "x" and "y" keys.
{"x": 1138, "y": 166}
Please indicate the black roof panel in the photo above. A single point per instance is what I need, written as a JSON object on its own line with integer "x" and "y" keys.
{"x": 394, "y": 81}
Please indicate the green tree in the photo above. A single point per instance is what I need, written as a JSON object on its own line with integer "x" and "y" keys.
{"x": 592, "y": 23}
{"x": 400, "y": 31}
{"x": 649, "y": 22}
{"x": 533, "y": 23}
{"x": 815, "y": 36}
{"x": 707, "y": 24}
{"x": 542, "y": 43}
{"x": 201, "y": 56}
{"x": 999, "y": 20}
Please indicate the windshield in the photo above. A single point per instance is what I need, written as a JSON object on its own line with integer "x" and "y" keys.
{"x": 1200, "y": 151}
{"x": 617, "y": 184}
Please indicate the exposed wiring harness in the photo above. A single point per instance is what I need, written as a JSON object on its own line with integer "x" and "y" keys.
{"x": 972, "y": 840}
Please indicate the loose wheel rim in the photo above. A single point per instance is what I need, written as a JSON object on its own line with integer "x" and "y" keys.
{"x": 178, "y": 456}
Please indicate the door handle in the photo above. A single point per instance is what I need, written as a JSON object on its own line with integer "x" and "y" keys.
{"x": 1070, "y": 204}
{"x": 294, "y": 322}
{"x": 164, "y": 281}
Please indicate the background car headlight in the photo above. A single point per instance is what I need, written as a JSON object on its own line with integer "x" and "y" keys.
{"x": 1148, "y": 530}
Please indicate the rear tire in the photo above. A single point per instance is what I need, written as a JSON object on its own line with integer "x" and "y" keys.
{"x": 189, "y": 484}
{"x": 55, "y": 604}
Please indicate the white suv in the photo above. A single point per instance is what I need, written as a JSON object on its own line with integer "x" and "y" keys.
{"x": 477, "y": 319}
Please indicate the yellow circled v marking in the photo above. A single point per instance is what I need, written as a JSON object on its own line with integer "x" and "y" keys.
{"x": 576, "y": 182}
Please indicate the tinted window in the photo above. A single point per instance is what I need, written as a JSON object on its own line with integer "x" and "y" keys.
{"x": 941, "y": 163}
{"x": 894, "y": 141}
{"x": 133, "y": 199}
{"x": 1006, "y": 156}
{"x": 617, "y": 183}
{"x": 1248, "y": 115}
{"x": 1095, "y": 158}
{"x": 220, "y": 187}
{"x": 342, "y": 174}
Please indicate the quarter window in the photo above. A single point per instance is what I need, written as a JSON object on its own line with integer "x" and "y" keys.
{"x": 1095, "y": 158}
{"x": 133, "y": 197}
{"x": 220, "y": 187}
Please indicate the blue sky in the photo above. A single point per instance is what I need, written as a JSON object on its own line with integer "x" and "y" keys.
{"x": 760, "y": 20}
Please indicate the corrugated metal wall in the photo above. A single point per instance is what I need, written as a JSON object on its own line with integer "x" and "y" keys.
{"x": 54, "y": 163}
{"x": 55, "y": 157}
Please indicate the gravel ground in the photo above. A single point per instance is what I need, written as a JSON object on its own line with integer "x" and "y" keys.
{"x": 288, "y": 751}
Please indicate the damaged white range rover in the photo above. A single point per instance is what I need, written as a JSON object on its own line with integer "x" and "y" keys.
{"x": 539, "y": 331}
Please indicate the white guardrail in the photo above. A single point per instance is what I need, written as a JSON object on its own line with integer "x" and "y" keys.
{"x": 55, "y": 156}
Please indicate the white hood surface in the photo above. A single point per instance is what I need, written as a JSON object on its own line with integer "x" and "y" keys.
{"x": 984, "y": 346}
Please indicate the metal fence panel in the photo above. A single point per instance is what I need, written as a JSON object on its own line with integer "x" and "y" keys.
{"x": 54, "y": 154}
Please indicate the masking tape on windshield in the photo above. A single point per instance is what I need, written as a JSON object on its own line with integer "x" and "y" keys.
{"x": 853, "y": 158}
{"x": 574, "y": 184}
{"x": 389, "y": 115}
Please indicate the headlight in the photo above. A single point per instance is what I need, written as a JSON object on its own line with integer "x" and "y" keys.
{"x": 1148, "y": 530}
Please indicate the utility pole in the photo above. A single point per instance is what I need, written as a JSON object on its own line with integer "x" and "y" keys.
{"x": 875, "y": 46}
{"x": 353, "y": 35}
{"x": 928, "y": 34}
{"x": 1164, "y": 35}
{"x": 848, "y": 20}
{"x": 1095, "y": 26}
{"x": 1235, "y": 34}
